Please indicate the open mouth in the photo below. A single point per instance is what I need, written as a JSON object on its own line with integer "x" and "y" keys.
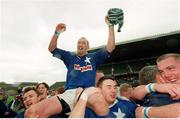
{"x": 113, "y": 96}
{"x": 172, "y": 80}
{"x": 29, "y": 104}
{"x": 80, "y": 48}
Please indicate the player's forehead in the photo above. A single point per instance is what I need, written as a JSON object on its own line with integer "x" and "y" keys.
{"x": 167, "y": 62}
{"x": 83, "y": 39}
{"x": 31, "y": 92}
{"x": 41, "y": 86}
{"x": 109, "y": 82}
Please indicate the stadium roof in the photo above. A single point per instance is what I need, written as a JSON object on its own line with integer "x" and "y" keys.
{"x": 151, "y": 46}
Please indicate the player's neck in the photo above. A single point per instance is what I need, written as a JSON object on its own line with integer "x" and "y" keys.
{"x": 81, "y": 54}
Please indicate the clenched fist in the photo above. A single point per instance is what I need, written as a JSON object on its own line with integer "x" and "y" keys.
{"x": 61, "y": 27}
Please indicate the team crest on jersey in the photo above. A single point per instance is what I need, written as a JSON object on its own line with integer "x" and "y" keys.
{"x": 119, "y": 114}
{"x": 87, "y": 61}
{"x": 83, "y": 68}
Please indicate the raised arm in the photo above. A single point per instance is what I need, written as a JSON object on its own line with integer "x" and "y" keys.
{"x": 53, "y": 43}
{"x": 111, "y": 38}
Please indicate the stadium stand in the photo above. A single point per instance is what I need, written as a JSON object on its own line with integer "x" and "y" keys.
{"x": 129, "y": 57}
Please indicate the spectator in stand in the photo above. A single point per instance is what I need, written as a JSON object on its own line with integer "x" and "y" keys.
{"x": 53, "y": 92}
{"x": 43, "y": 88}
{"x": 3, "y": 95}
{"x": 59, "y": 90}
{"x": 17, "y": 104}
{"x": 5, "y": 111}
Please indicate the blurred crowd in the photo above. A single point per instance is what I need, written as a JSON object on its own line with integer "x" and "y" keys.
{"x": 12, "y": 105}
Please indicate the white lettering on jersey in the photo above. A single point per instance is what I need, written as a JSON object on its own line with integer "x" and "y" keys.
{"x": 83, "y": 68}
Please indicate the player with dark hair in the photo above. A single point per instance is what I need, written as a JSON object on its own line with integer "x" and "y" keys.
{"x": 117, "y": 107}
{"x": 43, "y": 89}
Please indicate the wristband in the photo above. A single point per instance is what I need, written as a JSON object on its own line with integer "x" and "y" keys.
{"x": 84, "y": 96}
{"x": 57, "y": 33}
{"x": 146, "y": 112}
{"x": 150, "y": 88}
{"x": 110, "y": 25}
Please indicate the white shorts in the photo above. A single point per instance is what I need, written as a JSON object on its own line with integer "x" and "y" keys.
{"x": 69, "y": 97}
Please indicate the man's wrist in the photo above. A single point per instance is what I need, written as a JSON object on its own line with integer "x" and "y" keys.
{"x": 146, "y": 112}
{"x": 111, "y": 26}
{"x": 56, "y": 33}
{"x": 150, "y": 88}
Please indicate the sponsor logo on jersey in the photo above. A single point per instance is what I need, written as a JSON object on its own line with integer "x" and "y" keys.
{"x": 83, "y": 68}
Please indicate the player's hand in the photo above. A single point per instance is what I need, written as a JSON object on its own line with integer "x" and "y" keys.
{"x": 107, "y": 21}
{"x": 61, "y": 27}
{"x": 172, "y": 89}
{"x": 139, "y": 112}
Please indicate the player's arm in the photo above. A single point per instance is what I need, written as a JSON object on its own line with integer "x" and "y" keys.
{"x": 80, "y": 107}
{"x": 167, "y": 111}
{"x": 111, "y": 38}
{"x": 53, "y": 43}
{"x": 114, "y": 16}
{"x": 141, "y": 91}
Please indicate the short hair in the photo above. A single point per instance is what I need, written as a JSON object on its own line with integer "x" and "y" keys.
{"x": 124, "y": 87}
{"x": 86, "y": 40}
{"x": 29, "y": 88}
{"x": 148, "y": 74}
{"x": 176, "y": 56}
{"x": 45, "y": 84}
{"x": 102, "y": 79}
